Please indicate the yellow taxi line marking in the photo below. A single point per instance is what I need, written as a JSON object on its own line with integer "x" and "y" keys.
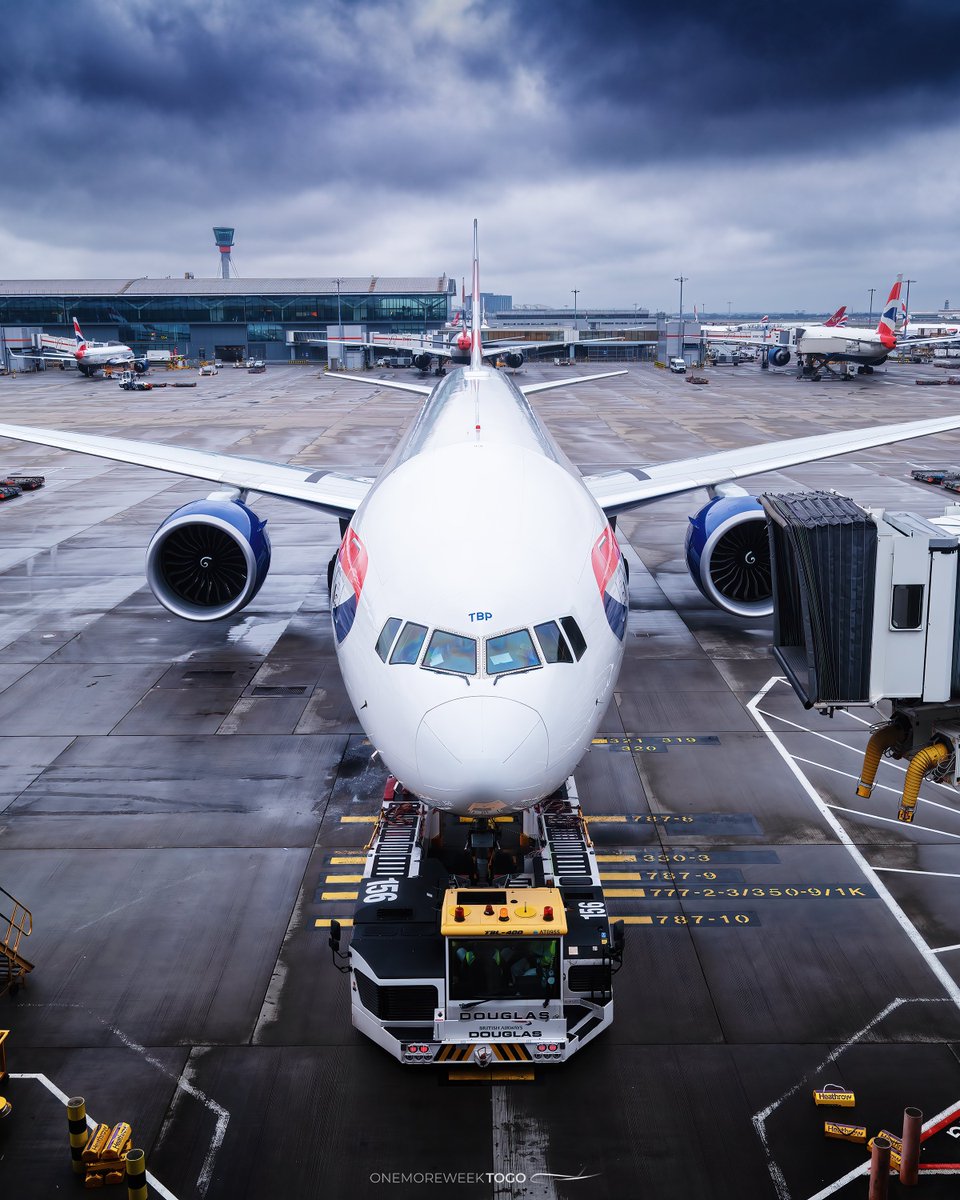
{"x": 489, "y": 1075}
{"x": 610, "y": 858}
{"x": 603, "y": 820}
{"x": 499, "y": 820}
{"x": 622, "y": 875}
{"x": 353, "y": 860}
{"x": 351, "y": 878}
{"x": 324, "y": 922}
{"x": 635, "y": 920}
{"x": 361, "y": 820}
{"x": 626, "y": 893}
{"x": 338, "y": 895}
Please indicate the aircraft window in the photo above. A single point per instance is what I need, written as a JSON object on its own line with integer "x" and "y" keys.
{"x": 387, "y": 634}
{"x": 553, "y": 643}
{"x": 407, "y": 649}
{"x": 572, "y": 630}
{"x": 451, "y": 652}
{"x": 511, "y": 652}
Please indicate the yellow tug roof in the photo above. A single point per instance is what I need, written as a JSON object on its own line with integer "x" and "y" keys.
{"x": 524, "y": 908}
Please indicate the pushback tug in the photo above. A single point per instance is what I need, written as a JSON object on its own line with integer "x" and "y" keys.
{"x": 481, "y": 940}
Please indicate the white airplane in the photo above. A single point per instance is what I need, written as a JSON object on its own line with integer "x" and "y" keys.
{"x": 816, "y": 347}
{"x": 479, "y": 597}
{"x": 88, "y": 357}
{"x": 456, "y": 348}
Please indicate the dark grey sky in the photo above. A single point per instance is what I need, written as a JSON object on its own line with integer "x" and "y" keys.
{"x": 779, "y": 155}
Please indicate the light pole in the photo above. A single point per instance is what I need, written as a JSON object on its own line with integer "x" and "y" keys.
{"x": 907, "y": 301}
{"x": 681, "y": 279}
{"x": 576, "y": 293}
{"x": 870, "y": 317}
{"x": 338, "y": 281}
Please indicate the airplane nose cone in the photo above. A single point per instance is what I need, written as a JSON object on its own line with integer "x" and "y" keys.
{"x": 484, "y": 748}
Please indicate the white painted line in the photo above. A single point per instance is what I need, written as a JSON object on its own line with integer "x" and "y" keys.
{"x": 64, "y": 1099}
{"x": 884, "y": 762}
{"x": 945, "y": 979}
{"x": 760, "y": 1119}
{"x": 890, "y": 820}
{"x": 182, "y": 1086}
{"x": 864, "y": 1168}
{"x": 909, "y": 871}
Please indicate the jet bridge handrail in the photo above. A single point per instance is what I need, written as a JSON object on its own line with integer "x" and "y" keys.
{"x": 19, "y": 921}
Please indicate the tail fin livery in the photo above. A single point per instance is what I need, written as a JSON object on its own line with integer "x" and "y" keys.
{"x": 476, "y": 351}
{"x": 80, "y": 340}
{"x": 890, "y": 316}
{"x": 839, "y": 317}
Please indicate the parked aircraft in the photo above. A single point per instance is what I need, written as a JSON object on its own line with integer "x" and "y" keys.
{"x": 818, "y": 347}
{"x": 479, "y": 597}
{"x": 88, "y": 357}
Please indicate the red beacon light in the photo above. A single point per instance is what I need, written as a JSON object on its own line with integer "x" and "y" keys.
{"x": 548, "y": 912}
{"x": 458, "y": 914}
{"x": 488, "y": 911}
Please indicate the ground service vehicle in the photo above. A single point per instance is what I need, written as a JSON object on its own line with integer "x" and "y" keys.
{"x": 478, "y": 941}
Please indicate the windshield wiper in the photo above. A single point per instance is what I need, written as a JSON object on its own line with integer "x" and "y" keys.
{"x": 438, "y": 671}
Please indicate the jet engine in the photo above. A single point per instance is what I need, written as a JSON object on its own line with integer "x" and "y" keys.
{"x": 422, "y": 362}
{"x": 728, "y": 554}
{"x": 209, "y": 558}
{"x": 778, "y": 356}
{"x": 513, "y": 359}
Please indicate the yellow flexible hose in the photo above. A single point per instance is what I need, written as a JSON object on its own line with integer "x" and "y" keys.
{"x": 921, "y": 763}
{"x": 880, "y": 739}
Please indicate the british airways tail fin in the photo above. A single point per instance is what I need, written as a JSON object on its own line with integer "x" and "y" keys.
{"x": 839, "y": 317}
{"x": 890, "y": 317}
{"x": 476, "y": 349}
{"x": 78, "y": 336}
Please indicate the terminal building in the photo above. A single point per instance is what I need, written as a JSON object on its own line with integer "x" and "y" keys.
{"x": 278, "y": 320}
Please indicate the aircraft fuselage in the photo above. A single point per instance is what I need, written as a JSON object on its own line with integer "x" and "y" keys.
{"x": 476, "y": 557}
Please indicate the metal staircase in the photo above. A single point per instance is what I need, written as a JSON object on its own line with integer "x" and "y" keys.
{"x": 14, "y": 968}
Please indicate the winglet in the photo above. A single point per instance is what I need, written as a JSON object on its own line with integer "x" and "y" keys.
{"x": 476, "y": 349}
{"x": 890, "y": 317}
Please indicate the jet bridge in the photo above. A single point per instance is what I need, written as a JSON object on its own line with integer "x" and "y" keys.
{"x": 866, "y": 610}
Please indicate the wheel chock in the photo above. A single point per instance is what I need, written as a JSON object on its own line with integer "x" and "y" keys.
{"x": 845, "y": 1133}
{"x": 832, "y": 1095}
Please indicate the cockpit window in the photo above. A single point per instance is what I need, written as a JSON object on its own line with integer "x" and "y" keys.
{"x": 511, "y": 652}
{"x": 407, "y": 649}
{"x": 572, "y": 630}
{"x": 387, "y": 634}
{"x": 553, "y": 643}
{"x": 451, "y": 652}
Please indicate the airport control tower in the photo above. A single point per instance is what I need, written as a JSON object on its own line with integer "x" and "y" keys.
{"x": 224, "y": 239}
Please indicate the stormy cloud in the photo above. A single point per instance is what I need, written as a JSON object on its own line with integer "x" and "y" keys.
{"x": 780, "y": 156}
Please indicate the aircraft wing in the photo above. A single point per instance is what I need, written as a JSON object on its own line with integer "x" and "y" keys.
{"x": 621, "y": 489}
{"x": 329, "y": 491}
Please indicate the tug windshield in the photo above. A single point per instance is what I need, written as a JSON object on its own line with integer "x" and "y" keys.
{"x": 504, "y": 968}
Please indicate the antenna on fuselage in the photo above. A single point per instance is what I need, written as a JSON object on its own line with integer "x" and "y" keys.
{"x": 476, "y": 352}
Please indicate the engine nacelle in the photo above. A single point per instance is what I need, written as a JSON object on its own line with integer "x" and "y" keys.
{"x": 728, "y": 555}
{"x": 513, "y": 359}
{"x": 208, "y": 559}
{"x": 778, "y": 356}
{"x": 422, "y": 361}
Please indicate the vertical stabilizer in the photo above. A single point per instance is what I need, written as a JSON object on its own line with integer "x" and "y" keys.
{"x": 890, "y": 317}
{"x": 78, "y": 336}
{"x": 476, "y": 352}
